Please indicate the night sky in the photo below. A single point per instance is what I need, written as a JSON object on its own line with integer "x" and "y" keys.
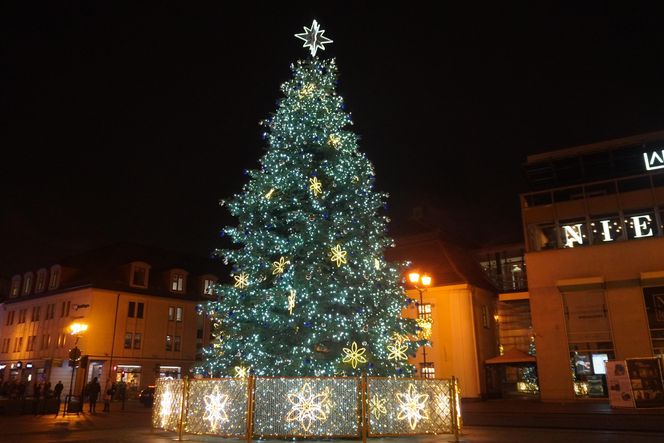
{"x": 128, "y": 122}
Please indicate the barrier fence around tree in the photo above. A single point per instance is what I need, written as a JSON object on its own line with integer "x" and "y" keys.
{"x": 307, "y": 407}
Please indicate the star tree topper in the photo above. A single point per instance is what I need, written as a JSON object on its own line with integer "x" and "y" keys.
{"x": 313, "y": 38}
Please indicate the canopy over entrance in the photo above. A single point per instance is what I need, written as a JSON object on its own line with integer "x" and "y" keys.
{"x": 511, "y": 356}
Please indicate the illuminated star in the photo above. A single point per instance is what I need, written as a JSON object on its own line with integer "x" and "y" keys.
{"x": 313, "y": 38}
{"x": 397, "y": 351}
{"x": 315, "y": 186}
{"x": 291, "y": 301}
{"x": 241, "y": 281}
{"x": 354, "y": 355}
{"x": 412, "y": 406}
{"x": 338, "y": 255}
{"x": 378, "y": 406}
{"x": 307, "y": 407}
{"x": 215, "y": 408}
{"x": 334, "y": 140}
{"x": 279, "y": 266}
{"x": 241, "y": 372}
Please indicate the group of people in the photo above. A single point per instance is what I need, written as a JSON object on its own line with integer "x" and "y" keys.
{"x": 16, "y": 390}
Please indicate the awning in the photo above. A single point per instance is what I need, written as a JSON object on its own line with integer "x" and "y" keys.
{"x": 511, "y": 355}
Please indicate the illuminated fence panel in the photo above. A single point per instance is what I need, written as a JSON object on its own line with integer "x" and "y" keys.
{"x": 217, "y": 407}
{"x": 409, "y": 406}
{"x": 167, "y": 404}
{"x": 311, "y": 407}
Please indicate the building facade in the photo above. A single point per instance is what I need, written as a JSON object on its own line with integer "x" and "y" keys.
{"x": 593, "y": 221}
{"x": 456, "y": 312}
{"x": 139, "y": 305}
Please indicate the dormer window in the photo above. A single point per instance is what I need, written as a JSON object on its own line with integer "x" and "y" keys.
{"x": 139, "y": 275}
{"x": 40, "y": 284}
{"x": 28, "y": 279}
{"x": 178, "y": 280}
{"x": 16, "y": 286}
{"x": 54, "y": 281}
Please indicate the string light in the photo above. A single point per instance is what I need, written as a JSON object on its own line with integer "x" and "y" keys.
{"x": 377, "y": 406}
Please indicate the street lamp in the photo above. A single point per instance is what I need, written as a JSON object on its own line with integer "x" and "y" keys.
{"x": 421, "y": 283}
{"x": 75, "y": 329}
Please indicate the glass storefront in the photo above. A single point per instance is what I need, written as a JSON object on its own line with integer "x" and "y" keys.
{"x": 172, "y": 372}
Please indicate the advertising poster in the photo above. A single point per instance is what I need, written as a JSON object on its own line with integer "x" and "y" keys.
{"x": 620, "y": 388}
{"x": 646, "y": 377}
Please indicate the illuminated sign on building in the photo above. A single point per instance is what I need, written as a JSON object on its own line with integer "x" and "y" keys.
{"x": 654, "y": 160}
{"x": 639, "y": 226}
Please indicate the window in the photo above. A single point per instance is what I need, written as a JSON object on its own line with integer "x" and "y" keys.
{"x": 428, "y": 370}
{"x": 16, "y": 286}
{"x": 127, "y": 340}
{"x": 18, "y": 344}
{"x": 178, "y": 314}
{"x": 27, "y": 283}
{"x": 10, "y": 318}
{"x": 139, "y": 274}
{"x": 54, "y": 281}
{"x": 5, "y": 345}
{"x": 169, "y": 342}
{"x": 64, "y": 309}
{"x": 171, "y": 313}
{"x": 640, "y": 224}
{"x": 654, "y": 301}
{"x": 31, "y": 343}
{"x": 35, "y": 313}
{"x": 606, "y": 228}
{"x": 542, "y": 236}
{"x": 62, "y": 340}
{"x": 137, "y": 340}
{"x": 485, "y": 316}
{"x": 139, "y": 310}
{"x": 176, "y": 343}
{"x": 131, "y": 310}
{"x": 424, "y": 311}
{"x": 177, "y": 282}
{"x": 208, "y": 286}
{"x": 41, "y": 281}
{"x": 22, "y": 314}
{"x": 46, "y": 341}
{"x": 50, "y": 311}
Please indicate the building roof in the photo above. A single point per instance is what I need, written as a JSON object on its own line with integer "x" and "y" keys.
{"x": 447, "y": 262}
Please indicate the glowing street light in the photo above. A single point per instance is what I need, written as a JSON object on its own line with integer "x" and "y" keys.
{"x": 75, "y": 329}
{"x": 421, "y": 283}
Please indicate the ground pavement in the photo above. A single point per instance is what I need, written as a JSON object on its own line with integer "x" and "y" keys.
{"x": 133, "y": 425}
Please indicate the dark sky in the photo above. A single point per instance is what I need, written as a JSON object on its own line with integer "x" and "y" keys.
{"x": 130, "y": 120}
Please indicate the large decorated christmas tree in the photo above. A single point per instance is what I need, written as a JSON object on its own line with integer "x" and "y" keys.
{"x": 312, "y": 293}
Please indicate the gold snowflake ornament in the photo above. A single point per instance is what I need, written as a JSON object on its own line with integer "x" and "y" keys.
{"x": 315, "y": 186}
{"x": 241, "y": 372}
{"x": 377, "y": 406}
{"x": 279, "y": 266}
{"x": 397, "y": 351}
{"x": 291, "y": 301}
{"x": 241, "y": 281}
{"x": 338, "y": 256}
{"x": 215, "y": 408}
{"x": 412, "y": 406}
{"x": 307, "y": 407}
{"x": 354, "y": 355}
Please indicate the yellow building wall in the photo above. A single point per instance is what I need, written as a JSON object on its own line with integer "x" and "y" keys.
{"x": 620, "y": 266}
{"x": 459, "y": 341}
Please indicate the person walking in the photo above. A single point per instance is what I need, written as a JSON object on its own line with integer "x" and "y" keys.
{"x": 93, "y": 393}
{"x": 57, "y": 391}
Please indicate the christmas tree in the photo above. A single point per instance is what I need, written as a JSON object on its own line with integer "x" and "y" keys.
{"x": 312, "y": 293}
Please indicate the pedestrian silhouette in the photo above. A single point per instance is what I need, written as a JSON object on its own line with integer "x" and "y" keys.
{"x": 93, "y": 394}
{"x": 58, "y": 390}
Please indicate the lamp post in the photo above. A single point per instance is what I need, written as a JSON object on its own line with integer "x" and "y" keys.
{"x": 75, "y": 329}
{"x": 421, "y": 283}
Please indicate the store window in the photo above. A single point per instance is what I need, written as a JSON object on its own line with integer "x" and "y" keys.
{"x": 654, "y": 302}
{"x": 589, "y": 338}
{"x": 131, "y": 376}
{"x": 170, "y": 372}
{"x": 573, "y": 233}
{"x": 542, "y": 236}
{"x": 640, "y": 224}
{"x": 606, "y": 228}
